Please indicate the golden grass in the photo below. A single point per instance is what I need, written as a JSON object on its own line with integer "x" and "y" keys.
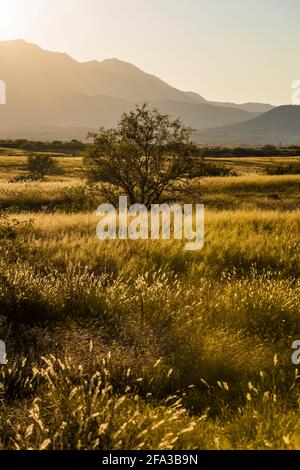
{"x": 143, "y": 345}
{"x": 252, "y": 165}
{"x": 279, "y": 193}
{"x": 16, "y": 165}
{"x": 233, "y": 240}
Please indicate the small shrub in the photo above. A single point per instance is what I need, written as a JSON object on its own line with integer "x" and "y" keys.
{"x": 12, "y": 248}
{"x": 42, "y": 165}
{"x": 25, "y": 179}
{"x": 211, "y": 169}
{"x": 291, "y": 169}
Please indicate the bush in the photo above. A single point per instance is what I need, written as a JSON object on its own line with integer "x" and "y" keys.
{"x": 12, "y": 248}
{"x": 210, "y": 169}
{"x": 25, "y": 179}
{"x": 42, "y": 165}
{"x": 291, "y": 169}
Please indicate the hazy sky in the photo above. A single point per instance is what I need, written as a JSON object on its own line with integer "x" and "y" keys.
{"x": 229, "y": 50}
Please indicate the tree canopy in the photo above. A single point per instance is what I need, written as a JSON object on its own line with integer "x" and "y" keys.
{"x": 145, "y": 157}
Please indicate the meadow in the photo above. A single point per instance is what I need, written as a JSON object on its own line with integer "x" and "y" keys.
{"x": 141, "y": 344}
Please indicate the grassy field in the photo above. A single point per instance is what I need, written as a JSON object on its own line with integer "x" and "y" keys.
{"x": 141, "y": 344}
{"x": 253, "y": 165}
{"x": 13, "y": 162}
{"x": 243, "y": 192}
{"x": 16, "y": 165}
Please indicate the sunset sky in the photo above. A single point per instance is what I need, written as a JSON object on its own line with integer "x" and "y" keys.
{"x": 227, "y": 50}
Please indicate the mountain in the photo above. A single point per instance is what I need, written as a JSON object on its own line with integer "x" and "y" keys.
{"x": 204, "y": 115}
{"x": 281, "y": 124}
{"x": 196, "y": 97}
{"x": 27, "y": 67}
{"x": 250, "y": 107}
{"x": 51, "y": 90}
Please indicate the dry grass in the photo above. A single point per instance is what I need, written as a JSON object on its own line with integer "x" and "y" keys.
{"x": 280, "y": 193}
{"x": 143, "y": 345}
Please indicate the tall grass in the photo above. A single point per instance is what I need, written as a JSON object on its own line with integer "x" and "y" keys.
{"x": 250, "y": 192}
{"x": 79, "y": 409}
{"x": 234, "y": 240}
{"x": 143, "y": 345}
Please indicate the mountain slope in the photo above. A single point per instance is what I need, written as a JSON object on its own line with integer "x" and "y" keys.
{"x": 27, "y": 67}
{"x": 250, "y": 107}
{"x": 79, "y": 110}
{"x": 204, "y": 115}
{"x": 50, "y": 89}
{"x": 281, "y": 124}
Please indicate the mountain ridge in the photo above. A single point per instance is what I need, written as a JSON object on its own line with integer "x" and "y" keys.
{"x": 52, "y": 89}
{"x": 279, "y": 125}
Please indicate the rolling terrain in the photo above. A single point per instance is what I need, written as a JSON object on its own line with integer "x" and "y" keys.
{"x": 140, "y": 344}
{"x": 278, "y": 126}
{"x": 51, "y": 95}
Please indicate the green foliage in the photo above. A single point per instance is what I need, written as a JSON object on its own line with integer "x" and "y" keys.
{"x": 291, "y": 169}
{"x": 12, "y": 247}
{"x": 78, "y": 198}
{"x": 262, "y": 151}
{"x": 144, "y": 157}
{"x": 25, "y": 178}
{"x": 203, "y": 168}
{"x": 72, "y": 147}
{"x": 42, "y": 165}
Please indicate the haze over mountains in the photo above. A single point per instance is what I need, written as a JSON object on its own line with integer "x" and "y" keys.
{"x": 51, "y": 95}
{"x": 279, "y": 126}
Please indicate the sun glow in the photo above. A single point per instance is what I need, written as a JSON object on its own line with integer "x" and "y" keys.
{"x": 15, "y": 18}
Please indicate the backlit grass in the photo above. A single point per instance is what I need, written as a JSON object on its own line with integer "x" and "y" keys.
{"x": 143, "y": 345}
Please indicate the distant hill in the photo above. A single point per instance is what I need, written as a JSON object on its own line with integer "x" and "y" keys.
{"x": 204, "y": 115}
{"x": 250, "y": 107}
{"x": 281, "y": 124}
{"x": 49, "y": 90}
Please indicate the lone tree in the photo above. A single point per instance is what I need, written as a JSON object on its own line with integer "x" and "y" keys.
{"x": 147, "y": 156}
{"x": 40, "y": 166}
